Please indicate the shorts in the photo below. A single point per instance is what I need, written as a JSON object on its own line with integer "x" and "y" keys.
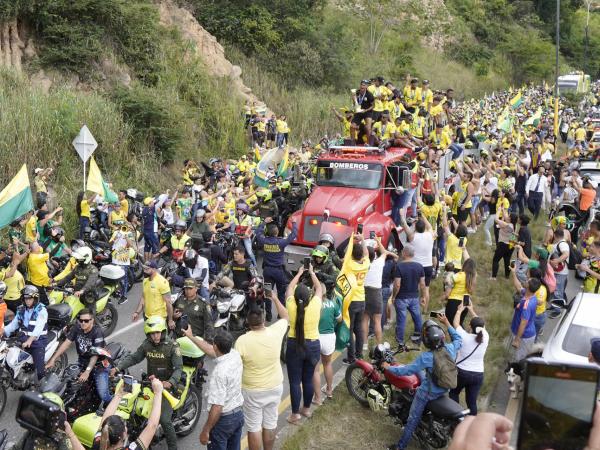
{"x": 476, "y": 199}
{"x": 270, "y": 136}
{"x": 463, "y": 214}
{"x": 373, "y": 300}
{"x": 327, "y": 343}
{"x": 357, "y": 118}
{"x": 261, "y": 408}
{"x": 376, "y": 116}
{"x": 428, "y": 274}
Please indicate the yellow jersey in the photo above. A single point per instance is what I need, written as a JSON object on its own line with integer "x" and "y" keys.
{"x": 153, "y": 290}
{"x": 312, "y": 314}
{"x": 412, "y": 97}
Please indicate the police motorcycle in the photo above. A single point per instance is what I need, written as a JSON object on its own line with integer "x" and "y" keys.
{"x": 17, "y": 371}
{"x": 68, "y": 305}
{"x": 136, "y": 406}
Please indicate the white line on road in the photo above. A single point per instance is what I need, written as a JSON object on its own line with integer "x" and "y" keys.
{"x": 126, "y": 329}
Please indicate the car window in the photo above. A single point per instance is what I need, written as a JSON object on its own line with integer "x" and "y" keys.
{"x": 577, "y": 339}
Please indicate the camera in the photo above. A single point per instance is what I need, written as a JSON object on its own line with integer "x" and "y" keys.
{"x": 40, "y": 415}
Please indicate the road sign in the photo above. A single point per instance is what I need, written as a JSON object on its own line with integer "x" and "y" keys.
{"x": 85, "y": 144}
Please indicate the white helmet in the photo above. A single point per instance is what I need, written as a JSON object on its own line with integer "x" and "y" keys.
{"x": 83, "y": 254}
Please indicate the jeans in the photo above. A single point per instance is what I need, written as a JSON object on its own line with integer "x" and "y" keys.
{"x": 356, "y": 311}
{"x": 248, "y": 246}
{"x": 385, "y": 294}
{"x": 471, "y": 382}
{"x": 84, "y": 222}
{"x": 414, "y": 308}
{"x": 101, "y": 381}
{"x": 504, "y": 252}
{"x": 301, "y": 363}
{"x": 166, "y": 422}
{"x": 520, "y": 202}
{"x": 37, "y": 352}
{"x": 227, "y": 432}
{"x": 561, "y": 285}
{"x": 411, "y": 200}
{"x": 150, "y": 242}
{"x": 456, "y": 149}
{"x": 489, "y": 223}
{"x": 524, "y": 349}
{"x": 125, "y": 280}
{"x": 441, "y": 247}
{"x": 422, "y": 397}
{"x": 539, "y": 322}
{"x": 277, "y": 277}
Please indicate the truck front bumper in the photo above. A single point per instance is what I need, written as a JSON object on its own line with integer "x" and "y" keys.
{"x": 294, "y": 254}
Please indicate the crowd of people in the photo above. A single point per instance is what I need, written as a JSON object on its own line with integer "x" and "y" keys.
{"x": 506, "y": 170}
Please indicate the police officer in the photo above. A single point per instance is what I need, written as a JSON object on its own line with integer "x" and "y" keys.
{"x": 196, "y": 310}
{"x": 324, "y": 269}
{"x": 273, "y": 247}
{"x": 84, "y": 277}
{"x": 178, "y": 242}
{"x": 328, "y": 241}
{"x": 31, "y": 321}
{"x": 266, "y": 206}
{"x": 163, "y": 358}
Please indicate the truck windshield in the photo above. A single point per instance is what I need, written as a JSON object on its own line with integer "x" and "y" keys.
{"x": 349, "y": 174}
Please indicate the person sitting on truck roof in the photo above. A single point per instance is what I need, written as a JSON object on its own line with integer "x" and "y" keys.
{"x": 345, "y": 119}
{"x": 384, "y": 129}
{"x": 364, "y": 101}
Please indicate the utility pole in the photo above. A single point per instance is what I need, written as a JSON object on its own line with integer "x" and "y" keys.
{"x": 557, "y": 74}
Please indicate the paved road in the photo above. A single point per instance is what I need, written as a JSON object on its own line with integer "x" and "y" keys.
{"x": 131, "y": 335}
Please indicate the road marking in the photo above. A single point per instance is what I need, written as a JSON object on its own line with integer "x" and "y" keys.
{"x": 286, "y": 402}
{"x": 125, "y": 329}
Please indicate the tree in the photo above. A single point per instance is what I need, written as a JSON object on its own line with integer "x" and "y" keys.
{"x": 379, "y": 14}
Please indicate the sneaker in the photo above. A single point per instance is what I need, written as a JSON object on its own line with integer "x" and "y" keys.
{"x": 471, "y": 230}
{"x": 122, "y": 300}
{"x": 387, "y": 326}
{"x": 347, "y": 361}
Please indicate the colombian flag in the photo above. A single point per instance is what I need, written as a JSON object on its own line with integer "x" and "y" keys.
{"x": 516, "y": 101}
{"x": 96, "y": 184}
{"x": 15, "y": 198}
{"x": 535, "y": 119}
{"x": 345, "y": 289}
{"x": 256, "y": 153}
{"x": 284, "y": 165}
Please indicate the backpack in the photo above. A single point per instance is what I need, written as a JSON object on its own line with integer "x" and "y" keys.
{"x": 575, "y": 256}
{"x": 444, "y": 372}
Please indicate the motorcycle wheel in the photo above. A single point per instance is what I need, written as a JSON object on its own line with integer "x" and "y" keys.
{"x": 138, "y": 270}
{"x": 3, "y": 399}
{"x": 107, "y": 319}
{"x": 357, "y": 383}
{"x": 191, "y": 410}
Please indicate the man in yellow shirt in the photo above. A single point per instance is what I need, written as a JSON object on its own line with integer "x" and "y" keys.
{"x": 380, "y": 94}
{"x": 31, "y": 228}
{"x": 345, "y": 120}
{"x": 426, "y": 95}
{"x": 156, "y": 296}
{"x": 440, "y": 140}
{"x": 124, "y": 202}
{"x": 384, "y": 129}
{"x": 37, "y": 270}
{"x": 262, "y": 377}
{"x": 13, "y": 279}
{"x": 412, "y": 95}
{"x": 580, "y": 135}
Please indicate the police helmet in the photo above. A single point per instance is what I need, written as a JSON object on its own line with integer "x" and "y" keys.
{"x": 154, "y": 324}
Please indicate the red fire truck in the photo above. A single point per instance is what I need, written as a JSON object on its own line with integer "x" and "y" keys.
{"x": 353, "y": 186}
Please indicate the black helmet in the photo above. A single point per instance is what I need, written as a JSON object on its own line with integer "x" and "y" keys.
{"x": 190, "y": 258}
{"x": 432, "y": 335}
{"x": 87, "y": 231}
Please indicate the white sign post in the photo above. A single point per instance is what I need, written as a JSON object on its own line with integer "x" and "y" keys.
{"x": 85, "y": 144}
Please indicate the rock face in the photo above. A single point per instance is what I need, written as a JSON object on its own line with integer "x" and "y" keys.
{"x": 14, "y": 44}
{"x": 207, "y": 48}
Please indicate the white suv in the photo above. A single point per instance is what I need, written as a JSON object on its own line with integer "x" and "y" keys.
{"x": 570, "y": 340}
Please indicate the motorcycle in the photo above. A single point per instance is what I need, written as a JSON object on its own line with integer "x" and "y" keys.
{"x": 135, "y": 407}
{"x": 379, "y": 389}
{"x": 17, "y": 370}
{"x": 106, "y": 313}
{"x": 231, "y": 310}
{"x": 577, "y": 222}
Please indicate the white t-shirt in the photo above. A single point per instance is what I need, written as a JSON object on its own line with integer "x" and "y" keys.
{"x": 473, "y": 363}
{"x": 423, "y": 245}
{"x": 373, "y": 277}
{"x": 201, "y": 264}
{"x": 557, "y": 250}
{"x": 120, "y": 250}
{"x": 168, "y": 216}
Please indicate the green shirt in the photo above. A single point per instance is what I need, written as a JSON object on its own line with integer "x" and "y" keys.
{"x": 185, "y": 208}
{"x": 330, "y": 312}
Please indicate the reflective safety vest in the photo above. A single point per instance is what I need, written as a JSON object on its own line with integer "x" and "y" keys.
{"x": 415, "y": 175}
{"x": 179, "y": 244}
{"x": 28, "y": 330}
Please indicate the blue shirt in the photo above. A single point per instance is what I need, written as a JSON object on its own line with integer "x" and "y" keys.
{"x": 410, "y": 274}
{"x": 42, "y": 318}
{"x": 424, "y": 363}
{"x": 273, "y": 247}
{"x": 525, "y": 310}
{"x": 387, "y": 276}
{"x": 149, "y": 219}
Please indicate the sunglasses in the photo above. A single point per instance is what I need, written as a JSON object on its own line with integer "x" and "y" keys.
{"x": 85, "y": 320}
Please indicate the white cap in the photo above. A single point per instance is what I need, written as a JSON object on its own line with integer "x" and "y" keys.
{"x": 38, "y": 170}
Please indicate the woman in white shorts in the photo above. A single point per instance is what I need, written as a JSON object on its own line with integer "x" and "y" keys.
{"x": 331, "y": 313}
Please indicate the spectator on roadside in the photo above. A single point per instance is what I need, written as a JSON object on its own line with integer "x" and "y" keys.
{"x": 559, "y": 258}
{"x": 409, "y": 280}
{"x": 262, "y": 377}
{"x": 523, "y": 321}
{"x": 303, "y": 346}
{"x": 422, "y": 240}
{"x": 460, "y": 285}
{"x": 504, "y": 248}
{"x": 470, "y": 358}
{"x": 387, "y": 280}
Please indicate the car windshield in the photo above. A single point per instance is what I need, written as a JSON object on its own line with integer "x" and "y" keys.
{"x": 577, "y": 339}
{"x": 349, "y": 174}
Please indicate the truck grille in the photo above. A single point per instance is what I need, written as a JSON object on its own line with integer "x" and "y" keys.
{"x": 312, "y": 227}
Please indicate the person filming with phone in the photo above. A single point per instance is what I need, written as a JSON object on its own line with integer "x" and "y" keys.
{"x": 439, "y": 370}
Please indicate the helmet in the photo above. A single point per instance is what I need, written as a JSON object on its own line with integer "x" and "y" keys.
{"x": 320, "y": 251}
{"x": 180, "y": 225}
{"x": 326, "y": 237}
{"x": 211, "y": 161}
{"x": 87, "y": 231}
{"x": 83, "y": 254}
{"x": 54, "y": 398}
{"x": 30, "y": 291}
{"x": 200, "y": 212}
{"x": 243, "y": 207}
{"x": 190, "y": 258}
{"x": 77, "y": 243}
{"x": 3, "y": 288}
{"x": 267, "y": 196}
{"x": 58, "y": 232}
{"x": 432, "y": 335}
{"x": 154, "y": 324}
{"x": 285, "y": 185}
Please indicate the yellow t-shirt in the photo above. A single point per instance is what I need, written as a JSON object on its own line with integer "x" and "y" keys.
{"x": 436, "y": 110}
{"x": 346, "y": 125}
{"x": 541, "y": 295}
{"x": 403, "y": 128}
{"x": 441, "y": 141}
{"x": 117, "y": 216}
{"x": 153, "y": 291}
{"x": 37, "y": 269}
{"x": 281, "y": 126}
{"x": 261, "y": 126}
{"x": 31, "y": 229}
{"x": 359, "y": 269}
{"x": 412, "y": 97}
{"x": 454, "y": 253}
{"x": 85, "y": 208}
{"x": 396, "y": 110}
{"x": 384, "y": 131}
{"x": 260, "y": 350}
{"x": 431, "y": 213}
{"x": 312, "y": 314}
{"x": 580, "y": 134}
{"x": 14, "y": 284}
{"x": 502, "y": 204}
{"x": 124, "y": 206}
{"x": 380, "y": 93}
{"x": 40, "y": 186}
{"x": 427, "y": 98}
{"x": 459, "y": 287}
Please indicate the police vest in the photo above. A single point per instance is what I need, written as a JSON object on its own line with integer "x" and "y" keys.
{"x": 179, "y": 244}
{"x": 158, "y": 358}
{"x": 32, "y": 320}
